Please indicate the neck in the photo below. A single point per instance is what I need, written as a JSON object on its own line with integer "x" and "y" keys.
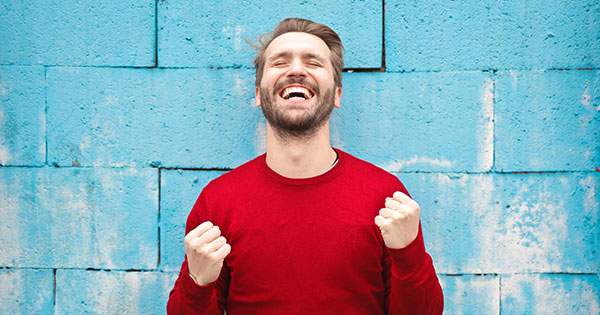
{"x": 300, "y": 158}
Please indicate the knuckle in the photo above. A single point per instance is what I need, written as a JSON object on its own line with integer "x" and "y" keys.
{"x": 202, "y": 250}
{"x": 198, "y": 251}
{"x": 227, "y": 247}
{"x": 192, "y": 243}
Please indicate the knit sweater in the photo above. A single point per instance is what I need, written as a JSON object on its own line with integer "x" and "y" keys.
{"x": 307, "y": 246}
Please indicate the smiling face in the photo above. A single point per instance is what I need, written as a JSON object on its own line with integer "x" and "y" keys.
{"x": 297, "y": 91}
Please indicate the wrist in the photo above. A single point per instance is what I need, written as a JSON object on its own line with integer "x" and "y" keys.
{"x": 194, "y": 279}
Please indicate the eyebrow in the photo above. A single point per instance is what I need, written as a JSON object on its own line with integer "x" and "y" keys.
{"x": 286, "y": 54}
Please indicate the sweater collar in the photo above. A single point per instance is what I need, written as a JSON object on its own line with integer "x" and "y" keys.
{"x": 327, "y": 175}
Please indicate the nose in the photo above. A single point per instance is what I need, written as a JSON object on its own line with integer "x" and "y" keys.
{"x": 297, "y": 68}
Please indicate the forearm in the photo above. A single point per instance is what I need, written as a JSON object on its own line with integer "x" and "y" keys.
{"x": 418, "y": 292}
{"x": 187, "y": 297}
{"x": 414, "y": 285}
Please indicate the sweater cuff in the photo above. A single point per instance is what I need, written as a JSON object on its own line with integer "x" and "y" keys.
{"x": 194, "y": 291}
{"x": 408, "y": 259}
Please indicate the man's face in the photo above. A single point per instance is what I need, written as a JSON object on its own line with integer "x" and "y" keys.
{"x": 297, "y": 90}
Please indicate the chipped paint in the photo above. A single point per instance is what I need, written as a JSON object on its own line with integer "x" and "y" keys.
{"x": 550, "y": 294}
{"x": 10, "y": 223}
{"x": 481, "y": 194}
{"x": 75, "y": 216}
{"x": 110, "y": 100}
{"x": 514, "y": 76}
{"x": 4, "y": 155}
{"x": 132, "y": 281}
{"x": 42, "y": 141}
{"x": 240, "y": 85}
{"x": 235, "y": 33}
{"x": 590, "y": 203}
{"x": 449, "y": 181}
{"x": 11, "y": 289}
{"x": 85, "y": 143}
{"x": 486, "y": 127}
{"x": 3, "y": 89}
{"x": 586, "y": 99}
{"x": 399, "y": 165}
{"x": 527, "y": 234}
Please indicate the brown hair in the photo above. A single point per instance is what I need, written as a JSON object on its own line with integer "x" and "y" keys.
{"x": 329, "y": 36}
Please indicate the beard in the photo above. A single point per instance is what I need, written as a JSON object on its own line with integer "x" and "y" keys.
{"x": 301, "y": 126}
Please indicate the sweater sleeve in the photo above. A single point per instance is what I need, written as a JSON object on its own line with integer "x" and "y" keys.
{"x": 187, "y": 297}
{"x": 412, "y": 284}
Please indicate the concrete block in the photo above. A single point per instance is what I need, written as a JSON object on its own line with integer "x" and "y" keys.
{"x": 112, "y": 292}
{"x": 79, "y": 218}
{"x": 417, "y": 121}
{"x": 547, "y": 121}
{"x": 550, "y": 294}
{"x": 509, "y": 223}
{"x": 471, "y": 294}
{"x": 22, "y": 115}
{"x": 471, "y": 35}
{"x": 107, "y": 33}
{"x": 178, "y": 193}
{"x": 159, "y": 117}
{"x": 214, "y": 34}
{"x": 26, "y": 291}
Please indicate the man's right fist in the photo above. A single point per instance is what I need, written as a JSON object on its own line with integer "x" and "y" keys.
{"x": 205, "y": 250}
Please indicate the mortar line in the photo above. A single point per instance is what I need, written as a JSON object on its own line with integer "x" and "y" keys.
{"x": 250, "y": 67}
{"x": 156, "y": 33}
{"x": 54, "y": 288}
{"x": 499, "y": 294}
{"x": 494, "y": 77}
{"x": 224, "y": 169}
{"x": 447, "y": 274}
{"x": 159, "y": 194}
{"x": 383, "y": 65}
{"x": 45, "y": 115}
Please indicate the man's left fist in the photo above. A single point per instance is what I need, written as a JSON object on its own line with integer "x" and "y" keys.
{"x": 399, "y": 220}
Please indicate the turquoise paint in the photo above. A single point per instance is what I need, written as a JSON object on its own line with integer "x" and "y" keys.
{"x": 474, "y": 97}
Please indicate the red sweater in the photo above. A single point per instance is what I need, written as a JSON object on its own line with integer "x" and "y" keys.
{"x": 307, "y": 246}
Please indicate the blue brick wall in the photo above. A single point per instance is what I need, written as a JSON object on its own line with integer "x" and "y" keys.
{"x": 114, "y": 115}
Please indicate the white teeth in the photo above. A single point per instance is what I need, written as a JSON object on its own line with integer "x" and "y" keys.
{"x": 302, "y": 90}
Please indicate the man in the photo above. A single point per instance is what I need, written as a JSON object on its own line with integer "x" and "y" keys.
{"x": 304, "y": 228}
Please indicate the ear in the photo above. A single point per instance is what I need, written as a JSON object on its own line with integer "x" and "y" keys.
{"x": 338, "y": 96}
{"x": 257, "y": 96}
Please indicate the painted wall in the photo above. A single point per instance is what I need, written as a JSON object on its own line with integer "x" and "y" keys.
{"x": 115, "y": 114}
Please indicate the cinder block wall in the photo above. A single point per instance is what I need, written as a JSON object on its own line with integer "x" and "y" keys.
{"x": 115, "y": 114}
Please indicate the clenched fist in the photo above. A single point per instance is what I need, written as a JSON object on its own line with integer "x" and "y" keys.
{"x": 399, "y": 220}
{"x": 205, "y": 250}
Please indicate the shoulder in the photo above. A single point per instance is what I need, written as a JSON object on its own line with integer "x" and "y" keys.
{"x": 369, "y": 168}
{"x": 374, "y": 174}
{"x": 240, "y": 176}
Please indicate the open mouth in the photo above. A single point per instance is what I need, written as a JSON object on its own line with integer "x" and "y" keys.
{"x": 296, "y": 93}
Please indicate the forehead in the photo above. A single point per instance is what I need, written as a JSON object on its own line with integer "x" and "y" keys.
{"x": 297, "y": 43}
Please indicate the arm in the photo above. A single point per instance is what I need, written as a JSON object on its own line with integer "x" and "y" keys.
{"x": 187, "y": 297}
{"x": 413, "y": 284}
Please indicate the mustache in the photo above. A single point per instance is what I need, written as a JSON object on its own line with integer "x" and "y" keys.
{"x": 301, "y": 81}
